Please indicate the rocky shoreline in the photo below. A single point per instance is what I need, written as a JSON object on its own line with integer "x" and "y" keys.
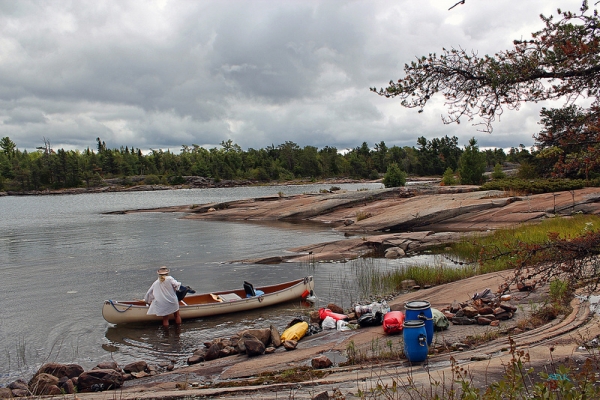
{"x": 408, "y": 219}
{"x": 303, "y": 372}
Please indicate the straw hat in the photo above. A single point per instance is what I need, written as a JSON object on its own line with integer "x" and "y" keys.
{"x": 163, "y": 271}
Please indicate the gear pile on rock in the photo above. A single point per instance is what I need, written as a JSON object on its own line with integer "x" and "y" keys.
{"x": 484, "y": 308}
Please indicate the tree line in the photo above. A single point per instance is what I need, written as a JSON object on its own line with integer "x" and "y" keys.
{"x": 47, "y": 168}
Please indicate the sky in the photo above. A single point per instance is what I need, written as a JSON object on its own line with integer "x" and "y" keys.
{"x": 159, "y": 74}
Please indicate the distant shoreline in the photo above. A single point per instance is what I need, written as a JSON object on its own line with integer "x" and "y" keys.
{"x": 204, "y": 184}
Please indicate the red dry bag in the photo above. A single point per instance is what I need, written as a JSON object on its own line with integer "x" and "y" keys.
{"x": 326, "y": 312}
{"x": 393, "y": 322}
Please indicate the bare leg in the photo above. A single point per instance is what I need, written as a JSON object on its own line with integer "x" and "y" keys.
{"x": 177, "y": 318}
{"x": 166, "y": 320}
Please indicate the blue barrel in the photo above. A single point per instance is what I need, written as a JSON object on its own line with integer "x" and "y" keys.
{"x": 421, "y": 310}
{"x": 415, "y": 340}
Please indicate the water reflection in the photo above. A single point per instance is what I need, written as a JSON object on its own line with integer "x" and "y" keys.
{"x": 153, "y": 342}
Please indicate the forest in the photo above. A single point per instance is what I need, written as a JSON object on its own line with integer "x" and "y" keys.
{"x": 48, "y": 168}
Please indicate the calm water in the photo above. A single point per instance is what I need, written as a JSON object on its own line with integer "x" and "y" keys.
{"x": 61, "y": 257}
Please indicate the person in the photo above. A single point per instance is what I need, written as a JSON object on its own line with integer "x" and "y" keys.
{"x": 162, "y": 297}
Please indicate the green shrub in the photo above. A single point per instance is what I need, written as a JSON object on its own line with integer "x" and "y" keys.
{"x": 448, "y": 178}
{"x": 498, "y": 173}
{"x": 394, "y": 177}
{"x": 177, "y": 180}
{"x": 537, "y": 186}
{"x": 527, "y": 171}
{"x": 559, "y": 291}
{"x": 152, "y": 180}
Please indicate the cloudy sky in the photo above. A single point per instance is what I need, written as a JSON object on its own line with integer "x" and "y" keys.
{"x": 165, "y": 73}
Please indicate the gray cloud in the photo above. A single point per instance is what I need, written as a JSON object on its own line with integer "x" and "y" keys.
{"x": 168, "y": 73}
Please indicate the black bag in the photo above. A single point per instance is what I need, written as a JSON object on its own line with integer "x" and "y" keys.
{"x": 370, "y": 319}
{"x": 182, "y": 291}
{"x": 249, "y": 289}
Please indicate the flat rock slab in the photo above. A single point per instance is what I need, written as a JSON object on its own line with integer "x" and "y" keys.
{"x": 403, "y": 209}
{"x": 414, "y": 218}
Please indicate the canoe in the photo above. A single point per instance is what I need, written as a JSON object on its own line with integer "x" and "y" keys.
{"x": 209, "y": 304}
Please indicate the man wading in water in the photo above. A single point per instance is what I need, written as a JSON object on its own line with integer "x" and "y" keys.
{"x": 162, "y": 297}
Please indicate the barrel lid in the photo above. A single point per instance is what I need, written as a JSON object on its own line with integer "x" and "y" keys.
{"x": 413, "y": 323}
{"x": 417, "y": 305}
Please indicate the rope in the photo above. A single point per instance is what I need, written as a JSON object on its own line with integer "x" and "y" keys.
{"x": 116, "y": 309}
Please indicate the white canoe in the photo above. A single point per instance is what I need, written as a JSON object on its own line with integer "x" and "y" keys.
{"x": 208, "y": 304}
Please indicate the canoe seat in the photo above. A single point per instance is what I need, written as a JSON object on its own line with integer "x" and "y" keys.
{"x": 230, "y": 297}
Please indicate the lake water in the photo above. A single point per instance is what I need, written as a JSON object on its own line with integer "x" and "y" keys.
{"x": 61, "y": 257}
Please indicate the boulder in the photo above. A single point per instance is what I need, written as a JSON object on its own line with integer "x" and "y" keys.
{"x": 321, "y": 362}
{"x": 407, "y": 284}
{"x": 66, "y": 385}
{"x": 486, "y": 310}
{"x": 254, "y": 346}
{"x": 526, "y": 287}
{"x": 290, "y": 344}
{"x": 98, "y": 380}
{"x": 508, "y": 307}
{"x": 462, "y": 321}
{"x": 227, "y": 351}
{"x": 483, "y": 321}
{"x": 136, "y": 366}
{"x": 264, "y": 335}
{"x": 470, "y": 312}
{"x": 213, "y": 352}
{"x": 394, "y": 252}
{"x": 18, "y": 384}
{"x": 60, "y": 370}
{"x": 227, "y": 342}
{"x": 503, "y": 316}
{"x": 107, "y": 365}
{"x": 275, "y": 336}
{"x": 43, "y": 384}
{"x": 197, "y": 357}
{"x": 335, "y": 308}
{"x": 20, "y": 393}
{"x": 234, "y": 340}
{"x": 53, "y": 390}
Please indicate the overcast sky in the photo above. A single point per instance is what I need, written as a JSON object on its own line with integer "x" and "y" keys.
{"x": 162, "y": 74}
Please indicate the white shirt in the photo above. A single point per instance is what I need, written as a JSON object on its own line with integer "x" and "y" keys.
{"x": 162, "y": 298}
